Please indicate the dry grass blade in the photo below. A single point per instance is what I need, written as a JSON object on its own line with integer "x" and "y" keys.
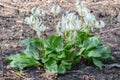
{"x": 18, "y": 74}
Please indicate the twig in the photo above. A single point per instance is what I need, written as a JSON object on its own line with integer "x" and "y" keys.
{"x": 18, "y": 74}
{"x": 109, "y": 66}
{"x": 110, "y": 30}
{"x": 7, "y": 78}
{"x": 75, "y": 71}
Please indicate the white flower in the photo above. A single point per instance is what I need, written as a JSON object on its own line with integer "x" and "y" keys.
{"x": 71, "y": 17}
{"x": 70, "y": 22}
{"x": 99, "y": 24}
{"x": 55, "y": 9}
{"x": 32, "y": 20}
{"x": 37, "y": 12}
{"x": 71, "y": 27}
{"x": 77, "y": 24}
{"x": 89, "y": 19}
{"x": 39, "y": 29}
{"x": 28, "y": 20}
{"x": 81, "y": 8}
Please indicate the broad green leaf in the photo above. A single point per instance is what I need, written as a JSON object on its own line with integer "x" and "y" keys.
{"x": 37, "y": 43}
{"x": 80, "y": 51}
{"x": 94, "y": 53}
{"x": 61, "y": 55}
{"x": 91, "y": 42}
{"x": 21, "y": 61}
{"x": 54, "y": 56}
{"x": 30, "y": 51}
{"x": 48, "y": 51}
{"x": 55, "y": 39}
{"x": 57, "y": 43}
{"x": 104, "y": 49}
{"x": 64, "y": 66}
{"x": 107, "y": 57}
{"x": 66, "y": 63}
{"x": 45, "y": 59}
{"x": 47, "y": 44}
{"x": 51, "y": 66}
{"x": 26, "y": 42}
{"x": 82, "y": 36}
{"x": 61, "y": 69}
{"x": 97, "y": 62}
{"x": 85, "y": 54}
{"x": 59, "y": 48}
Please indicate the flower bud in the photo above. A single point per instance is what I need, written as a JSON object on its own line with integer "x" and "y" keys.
{"x": 99, "y": 24}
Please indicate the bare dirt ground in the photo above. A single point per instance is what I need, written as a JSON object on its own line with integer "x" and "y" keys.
{"x": 13, "y": 30}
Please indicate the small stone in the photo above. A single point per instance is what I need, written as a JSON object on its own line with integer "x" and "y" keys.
{"x": 118, "y": 18}
{"x": 14, "y": 1}
{"x": 8, "y": 67}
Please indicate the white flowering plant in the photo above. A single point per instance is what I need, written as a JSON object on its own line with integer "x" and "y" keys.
{"x": 72, "y": 41}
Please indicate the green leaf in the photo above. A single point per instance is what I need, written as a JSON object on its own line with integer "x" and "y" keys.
{"x": 91, "y": 42}
{"x": 104, "y": 49}
{"x": 54, "y": 56}
{"x": 97, "y": 63}
{"x": 62, "y": 55}
{"x": 47, "y": 44}
{"x": 30, "y": 51}
{"x": 66, "y": 63}
{"x": 59, "y": 48}
{"x": 51, "y": 66}
{"x": 26, "y": 42}
{"x": 56, "y": 41}
{"x": 21, "y": 61}
{"x": 80, "y": 51}
{"x": 82, "y": 36}
{"x": 37, "y": 42}
{"x": 33, "y": 41}
{"x": 94, "y": 53}
{"x": 64, "y": 66}
{"x": 61, "y": 69}
{"x": 45, "y": 59}
{"x": 107, "y": 57}
{"x": 85, "y": 54}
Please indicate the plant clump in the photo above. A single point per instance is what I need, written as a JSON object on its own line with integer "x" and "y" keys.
{"x": 72, "y": 41}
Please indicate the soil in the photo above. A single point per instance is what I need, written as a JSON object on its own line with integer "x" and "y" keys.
{"x": 13, "y": 30}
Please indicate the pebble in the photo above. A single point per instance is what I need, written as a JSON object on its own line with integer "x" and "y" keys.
{"x": 118, "y": 18}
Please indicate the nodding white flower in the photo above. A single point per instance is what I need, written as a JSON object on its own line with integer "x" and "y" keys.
{"x": 70, "y": 22}
{"x": 77, "y": 24}
{"x": 89, "y": 19}
{"x": 39, "y": 29}
{"x": 81, "y": 8}
{"x": 55, "y": 9}
{"x": 37, "y": 12}
{"x": 32, "y": 20}
{"x": 71, "y": 17}
{"x": 29, "y": 20}
{"x": 99, "y": 24}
